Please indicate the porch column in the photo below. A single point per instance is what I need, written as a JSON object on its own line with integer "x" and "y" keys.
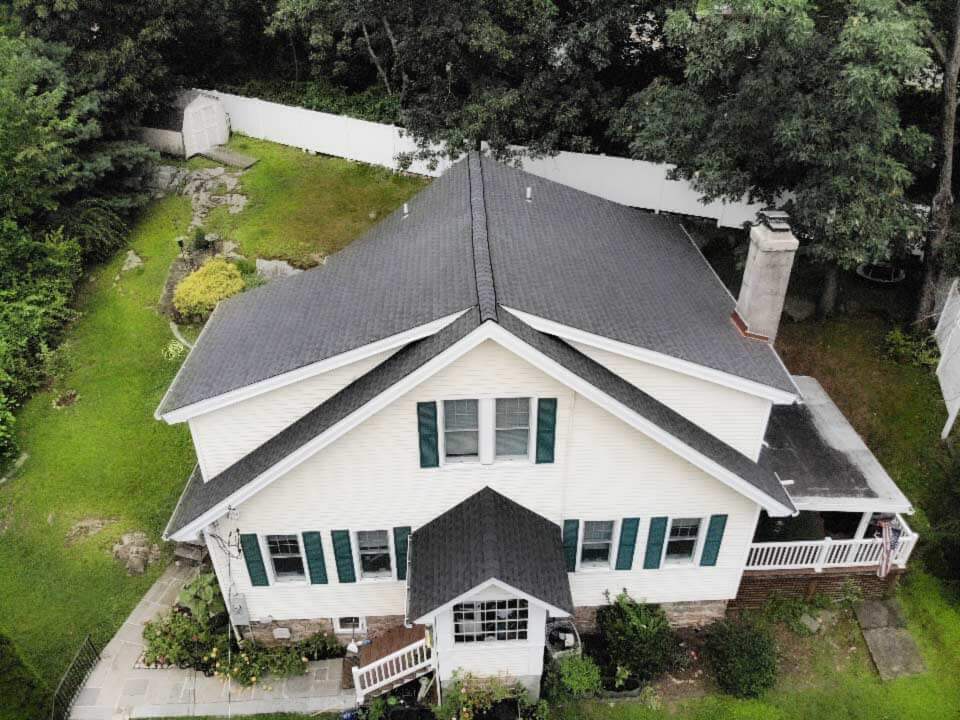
{"x": 862, "y": 527}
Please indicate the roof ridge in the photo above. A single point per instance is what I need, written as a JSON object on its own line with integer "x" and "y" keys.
{"x": 482, "y": 264}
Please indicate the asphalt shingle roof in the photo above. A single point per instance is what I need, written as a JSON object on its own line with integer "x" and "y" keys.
{"x": 472, "y": 239}
{"x": 487, "y": 536}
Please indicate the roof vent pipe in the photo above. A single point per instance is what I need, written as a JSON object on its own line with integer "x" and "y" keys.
{"x": 529, "y": 194}
{"x": 766, "y": 276}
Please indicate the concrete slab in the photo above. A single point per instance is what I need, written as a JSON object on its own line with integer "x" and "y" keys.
{"x": 221, "y": 154}
{"x": 87, "y": 696}
{"x": 874, "y": 614}
{"x": 894, "y": 652}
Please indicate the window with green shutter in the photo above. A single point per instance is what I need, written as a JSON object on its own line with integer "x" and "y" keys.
{"x": 401, "y": 540}
{"x": 711, "y": 545}
{"x": 571, "y": 534}
{"x": 628, "y": 541}
{"x": 427, "y": 425}
{"x": 655, "y": 537}
{"x": 343, "y": 553}
{"x": 546, "y": 429}
{"x": 313, "y": 549}
{"x": 250, "y": 545}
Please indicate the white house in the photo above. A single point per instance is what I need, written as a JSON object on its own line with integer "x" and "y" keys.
{"x": 506, "y": 402}
{"x": 193, "y": 123}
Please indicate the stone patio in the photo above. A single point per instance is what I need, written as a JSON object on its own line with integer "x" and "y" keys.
{"x": 117, "y": 689}
{"x": 891, "y": 646}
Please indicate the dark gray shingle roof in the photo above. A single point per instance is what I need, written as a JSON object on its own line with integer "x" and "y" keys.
{"x": 487, "y": 536}
{"x": 472, "y": 239}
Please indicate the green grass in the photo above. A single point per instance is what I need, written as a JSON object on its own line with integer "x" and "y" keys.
{"x": 304, "y": 207}
{"x": 102, "y": 457}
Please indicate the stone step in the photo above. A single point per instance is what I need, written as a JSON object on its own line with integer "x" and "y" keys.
{"x": 194, "y": 554}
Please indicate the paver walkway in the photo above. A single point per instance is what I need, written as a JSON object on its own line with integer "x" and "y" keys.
{"x": 893, "y": 650}
{"x": 116, "y": 690}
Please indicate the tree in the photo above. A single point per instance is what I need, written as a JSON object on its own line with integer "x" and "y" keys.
{"x": 787, "y": 99}
{"x": 943, "y": 37}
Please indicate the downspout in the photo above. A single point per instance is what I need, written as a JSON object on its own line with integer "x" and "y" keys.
{"x": 406, "y": 594}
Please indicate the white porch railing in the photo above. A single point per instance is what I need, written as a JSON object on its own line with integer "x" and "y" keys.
{"x": 827, "y": 553}
{"x": 405, "y": 664}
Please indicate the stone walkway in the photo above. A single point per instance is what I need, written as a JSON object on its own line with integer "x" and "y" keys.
{"x": 117, "y": 690}
{"x": 893, "y": 650}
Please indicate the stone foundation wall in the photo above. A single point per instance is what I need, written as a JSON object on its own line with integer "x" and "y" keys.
{"x": 680, "y": 614}
{"x": 756, "y": 587}
{"x": 376, "y": 624}
{"x": 262, "y": 633}
{"x": 585, "y": 618}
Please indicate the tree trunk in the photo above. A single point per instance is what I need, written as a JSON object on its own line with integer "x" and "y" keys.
{"x": 376, "y": 59}
{"x": 831, "y": 290}
{"x": 397, "y": 60}
{"x": 942, "y": 207}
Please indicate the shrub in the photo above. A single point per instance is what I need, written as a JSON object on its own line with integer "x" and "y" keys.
{"x": 575, "y": 676}
{"x": 910, "y": 349}
{"x": 201, "y": 596}
{"x": 181, "y": 640}
{"x": 321, "y": 646}
{"x": 743, "y": 657}
{"x": 639, "y": 638}
{"x": 198, "y": 294}
{"x": 22, "y": 695}
{"x": 470, "y": 697}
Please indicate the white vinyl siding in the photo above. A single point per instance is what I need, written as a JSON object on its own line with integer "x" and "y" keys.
{"x": 735, "y": 417}
{"x": 224, "y": 436}
{"x": 605, "y": 470}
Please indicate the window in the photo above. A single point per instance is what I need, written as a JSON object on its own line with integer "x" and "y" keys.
{"x": 682, "y": 543}
{"x": 374, "y": 547}
{"x": 349, "y": 625}
{"x": 461, "y": 430}
{"x": 597, "y": 541}
{"x": 513, "y": 427}
{"x": 490, "y": 620}
{"x": 285, "y": 556}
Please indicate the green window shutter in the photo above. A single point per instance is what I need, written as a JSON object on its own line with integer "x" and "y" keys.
{"x": 313, "y": 549}
{"x": 658, "y": 531}
{"x": 401, "y": 537}
{"x": 571, "y": 533}
{"x": 628, "y": 541}
{"x": 546, "y": 429}
{"x": 343, "y": 552}
{"x": 427, "y": 424}
{"x": 251, "y": 553}
{"x": 711, "y": 546}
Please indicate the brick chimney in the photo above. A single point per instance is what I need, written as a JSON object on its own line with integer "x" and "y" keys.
{"x": 766, "y": 276}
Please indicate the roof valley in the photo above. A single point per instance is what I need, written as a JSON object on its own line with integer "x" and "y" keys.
{"x": 482, "y": 265}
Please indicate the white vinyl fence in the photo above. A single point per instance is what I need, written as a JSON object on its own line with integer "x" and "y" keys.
{"x": 630, "y": 182}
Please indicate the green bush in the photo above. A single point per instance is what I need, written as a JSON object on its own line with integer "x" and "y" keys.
{"x": 911, "y": 349}
{"x": 469, "y": 697}
{"x": 184, "y": 641}
{"x": 198, "y": 294}
{"x": 639, "y": 638}
{"x": 743, "y": 657}
{"x": 201, "y": 596}
{"x": 573, "y": 677}
{"x": 22, "y": 695}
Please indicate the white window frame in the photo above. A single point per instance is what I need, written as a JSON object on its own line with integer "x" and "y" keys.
{"x": 697, "y": 548}
{"x": 487, "y": 424}
{"x": 495, "y": 642}
{"x": 360, "y": 630}
{"x": 614, "y": 542}
{"x": 265, "y": 551}
{"x": 358, "y": 564}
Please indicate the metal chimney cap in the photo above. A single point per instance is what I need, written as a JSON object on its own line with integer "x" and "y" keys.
{"x": 776, "y": 220}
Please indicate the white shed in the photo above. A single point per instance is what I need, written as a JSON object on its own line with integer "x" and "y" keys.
{"x": 192, "y": 124}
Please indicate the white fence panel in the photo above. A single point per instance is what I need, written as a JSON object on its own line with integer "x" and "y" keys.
{"x": 630, "y": 182}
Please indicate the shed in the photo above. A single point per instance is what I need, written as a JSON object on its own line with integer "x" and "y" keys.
{"x": 192, "y": 124}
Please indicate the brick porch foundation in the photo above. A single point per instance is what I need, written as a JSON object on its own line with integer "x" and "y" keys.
{"x": 757, "y": 586}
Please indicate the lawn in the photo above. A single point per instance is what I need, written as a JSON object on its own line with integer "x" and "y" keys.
{"x": 105, "y": 457}
{"x": 323, "y": 203}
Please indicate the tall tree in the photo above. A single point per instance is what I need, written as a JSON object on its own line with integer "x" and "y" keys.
{"x": 943, "y": 37}
{"x": 788, "y": 99}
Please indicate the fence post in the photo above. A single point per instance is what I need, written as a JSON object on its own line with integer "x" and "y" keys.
{"x": 823, "y": 555}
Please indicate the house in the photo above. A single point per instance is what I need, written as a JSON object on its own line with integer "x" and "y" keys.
{"x": 192, "y": 124}
{"x": 505, "y": 403}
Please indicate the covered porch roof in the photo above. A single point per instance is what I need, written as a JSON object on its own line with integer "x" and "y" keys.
{"x": 822, "y": 461}
{"x": 487, "y": 539}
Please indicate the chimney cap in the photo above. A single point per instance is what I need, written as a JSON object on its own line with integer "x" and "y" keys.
{"x": 776, "y": 220}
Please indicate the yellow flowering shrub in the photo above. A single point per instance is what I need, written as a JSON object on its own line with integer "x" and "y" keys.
{"x": 199, "y": 292}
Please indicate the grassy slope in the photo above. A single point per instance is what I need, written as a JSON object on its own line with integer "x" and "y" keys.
{"x": 324, "y": 202}
{"x": 104, "y": 457}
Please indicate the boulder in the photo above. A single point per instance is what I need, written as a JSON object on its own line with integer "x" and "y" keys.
{"x": 136, "y": 552}
{"x": 131, "y": 262}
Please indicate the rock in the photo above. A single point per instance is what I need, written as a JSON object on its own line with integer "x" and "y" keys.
{"x": 131, "y": 262}
{"x": 135, "y": 552}
{"x": 799, "y": 309}
{"x": 271, "y": 269}
{"x": 166, "y": 178}
{"x": 85, "y": 528}
{"x": 235, "y": 203}
{"x": 810, "y": 623}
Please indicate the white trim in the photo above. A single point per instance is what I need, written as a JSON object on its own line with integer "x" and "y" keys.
{"x": 853, "y": 504}
{"x": 361, "y": 629}
{"x": 486, "y": 331}
{"x": 500, "y": 585}
{"x": 614, "y": 544}
{"x": 694, "y": 560}
{"x": 358, "y": 564}
{"x": 265, "y": 551}
{"x": 276, "y": 382}
{"x": 719, "y": 377}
